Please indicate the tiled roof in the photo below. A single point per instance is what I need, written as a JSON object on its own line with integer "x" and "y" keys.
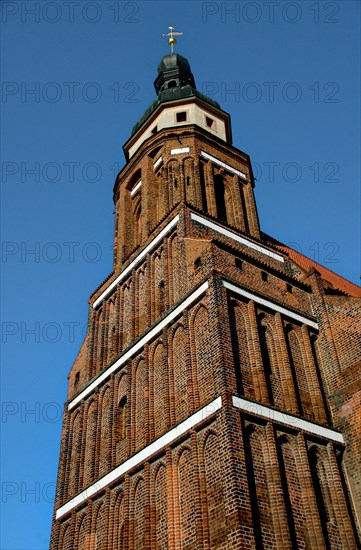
{"x": 307, "y": 264}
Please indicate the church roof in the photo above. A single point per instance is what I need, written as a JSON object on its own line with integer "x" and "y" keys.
{"x": 337, "y": 282}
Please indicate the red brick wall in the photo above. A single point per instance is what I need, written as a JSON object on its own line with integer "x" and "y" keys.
{"x": 344, "y": 316}
{"x": 235, "y": 480}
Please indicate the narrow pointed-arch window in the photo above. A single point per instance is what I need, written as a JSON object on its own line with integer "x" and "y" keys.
{"x": 202, "y": 180}
{"x": 220, "y": 200}
{"x": 161, "y": 297}
{"x": 297, "y": 370}
{"x": 316, "y": 359}
{"x": 173, "y": 180}
{"x": 136, "y": 221}
{"x": 322, "y": 492}
{"x": 264, "y": 336}
{"x": 137, "y": 225}
{"x": 134, "y": 215}
{"x": 122, "y": 419}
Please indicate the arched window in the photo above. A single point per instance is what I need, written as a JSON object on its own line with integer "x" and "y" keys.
{"x": 240, "y": 349}
{"x": 202, "y": 180}
{"x": 297, "y": 368}
{"x": 266, "y": 360}
{"x": 317, "y": 363}
{"x": 137, "y": 223}
{"x": 174, "y": 182}
{"x": 121, "y": 419}
{"x": 134, "y": 188}
{"x": 161, "y": 296}
{"x": 219, "y": 194}
{"x": 322, "y": 492}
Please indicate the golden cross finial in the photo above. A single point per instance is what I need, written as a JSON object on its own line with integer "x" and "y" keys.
{"x": 171, "y": 40}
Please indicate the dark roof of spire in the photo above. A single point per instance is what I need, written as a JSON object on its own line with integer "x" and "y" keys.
{"x": 174, "y": 81}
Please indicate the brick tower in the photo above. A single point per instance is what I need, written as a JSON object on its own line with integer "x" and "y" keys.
{"x": 215, "y": 401}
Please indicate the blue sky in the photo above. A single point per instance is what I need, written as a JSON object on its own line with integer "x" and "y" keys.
{"x": 287, "y": 72}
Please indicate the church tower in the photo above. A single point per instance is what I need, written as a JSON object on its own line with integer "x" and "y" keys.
{"x": 214, "y": 402}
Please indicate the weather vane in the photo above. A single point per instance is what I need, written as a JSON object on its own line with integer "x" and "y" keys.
{"x": 171, "y": 40}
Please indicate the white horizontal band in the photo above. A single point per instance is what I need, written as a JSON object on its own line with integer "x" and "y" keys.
{"x": 224, "y": 165}
{"x": 249, "y": 407}
{"x": 236, "y": 237}
{"x": 269, "y": 304}
{"x": 157, "y": 162}
{"x": 158, "y": 328}
{"x": 290, "y": 420}
{"x": 143, "y": 455}
{"x": 179, "y": 151}
{"x": 135, "y": 189}
{"x": 136, "y": 261}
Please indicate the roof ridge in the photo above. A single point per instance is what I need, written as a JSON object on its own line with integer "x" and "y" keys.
{"x": 337, "y": 281}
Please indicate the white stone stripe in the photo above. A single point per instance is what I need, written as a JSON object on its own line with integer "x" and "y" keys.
{"x": 179, "y": 151}
{"x": 135, "y": 189}
{"x": 269, "y": 304}
{"x": 157, "y": 162}
{"x": 140, "y": 256}
{"x": 236, "y": 237}
{"x": 298, "y": 423}
{"x": 143, "y": 455}
{"x": 188, "y": 301}
{"x": 224, "y": 165}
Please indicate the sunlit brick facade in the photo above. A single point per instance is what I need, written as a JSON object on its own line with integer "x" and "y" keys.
{"x": 215, "y": 402}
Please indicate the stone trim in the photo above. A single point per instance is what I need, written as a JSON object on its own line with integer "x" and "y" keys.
{"x": 136, "y": 261}
{"x": 135, "y": 189}
{"x": 269, "y": 304}
{"x": 158, "y": 328}
{"x": 141, "y": 456}
{"x": 224, "y": 165}
{"x": 157, "y": 162}
{"x": 256, "y": 409}
{"x": 235, "y": 237}
{"x": 244, "y": 405}
{"x": 179, "y": 151}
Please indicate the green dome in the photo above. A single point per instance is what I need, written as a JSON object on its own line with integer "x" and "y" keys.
{"x": 175, "y": 80}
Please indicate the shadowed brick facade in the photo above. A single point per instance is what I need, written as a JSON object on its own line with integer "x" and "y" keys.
{"x": 215, "y": 402}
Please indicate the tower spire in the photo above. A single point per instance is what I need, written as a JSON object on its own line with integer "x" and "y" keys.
{"x": 171, "y": 40}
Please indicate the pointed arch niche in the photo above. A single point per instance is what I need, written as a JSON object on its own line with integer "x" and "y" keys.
{"x": 134, "y": 188}
{"x": 270, "y": 359}
{"x": 229, "y": 199}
